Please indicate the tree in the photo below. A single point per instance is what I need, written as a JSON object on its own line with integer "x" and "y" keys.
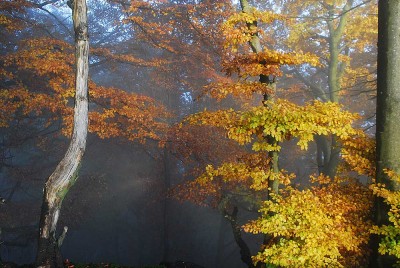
{"x": 252, "y": 181}
{"x": 387, "y": 142}
{"x": 343, "y": 35}
{"x": 37, "y": 95}
{"x": 66, "y": 172}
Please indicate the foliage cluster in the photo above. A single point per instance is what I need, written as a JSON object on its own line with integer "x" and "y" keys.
{"x": 325, "y": 225}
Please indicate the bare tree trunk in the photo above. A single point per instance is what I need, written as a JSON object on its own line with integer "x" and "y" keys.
{"x": 331, "y": 157}
{"x": 245, "y": 254}
{"x": 65, "y": 174}
{"x": 387, "y": 114}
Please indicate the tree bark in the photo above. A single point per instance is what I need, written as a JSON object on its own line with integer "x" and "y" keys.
{"x": 387, "y": 112}
{"x": 65, "y": 174}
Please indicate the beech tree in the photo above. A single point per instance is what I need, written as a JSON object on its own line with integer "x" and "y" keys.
{"x": 343, "y": 35}
{"x": 290, "y": 223}
{"x": 66, "y": 172}
{"x": 37, "y": 89}
{"x": 387, "y": 142}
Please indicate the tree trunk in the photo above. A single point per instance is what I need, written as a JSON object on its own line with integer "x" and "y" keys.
{"x": 256, "y": 47}
{"x": 167, "y": 185}
{"x": 273, "y": 185}
{"x": 245, "y": 254}
{"x": 65, "y": 174}
{"x": 331, "y": 157}
{"x": 387, "y": 113}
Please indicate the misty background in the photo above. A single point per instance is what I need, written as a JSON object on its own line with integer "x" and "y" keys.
{"x": 120, "y": 210}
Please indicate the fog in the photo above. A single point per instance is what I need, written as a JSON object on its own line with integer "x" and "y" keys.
{"x": 126, "y": 208}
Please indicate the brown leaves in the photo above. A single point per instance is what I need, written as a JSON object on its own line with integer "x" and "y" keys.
{"x": 121, "y": 114}
{"x": 10, "y": 7}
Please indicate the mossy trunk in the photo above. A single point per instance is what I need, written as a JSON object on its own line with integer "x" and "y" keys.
{"x": 65, "y": 174}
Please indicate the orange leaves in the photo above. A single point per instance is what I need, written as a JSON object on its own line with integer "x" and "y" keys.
{"x": 221, "y": 118}
{"x": 44, "y": 81}
{"x": 126, "y": 58}
{"x": 7, "y": 8}
{"x": 168, "y": 26}
{"x": 44, "y": 56}
{"x": 186, "y": 35}
{"x": 121, "y": 114}
{"x": 202, "y": 144}
{"x": 236, "y": 30}
{"x": 267, "y": 62}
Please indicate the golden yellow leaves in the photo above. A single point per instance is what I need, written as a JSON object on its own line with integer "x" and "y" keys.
{"x": 281, "y": 120}
{"x": 284, "y": 120}
{"x": 362, "y": 31}
{"x": 6, "y": 22}
{"x": 242, "y": 89}
{"x": 245, "y": 179}
{"x": 265, "y": 63}
{"x": 236, "y": 30}
{"x": 315, "y": 227}
{"x": 239, "y": 30}
{"x": 324, "y": 226}
{"x": 359, "y": 154}
{"x": 390, "y": 233}
{"x": 243, "y": 173}
{"x": 121, "y": 114}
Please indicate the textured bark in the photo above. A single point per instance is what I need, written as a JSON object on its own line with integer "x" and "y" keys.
{"x": 65, "y": 174}
{"x": 388, "y": 111}
{"x": 388, "y": 98}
